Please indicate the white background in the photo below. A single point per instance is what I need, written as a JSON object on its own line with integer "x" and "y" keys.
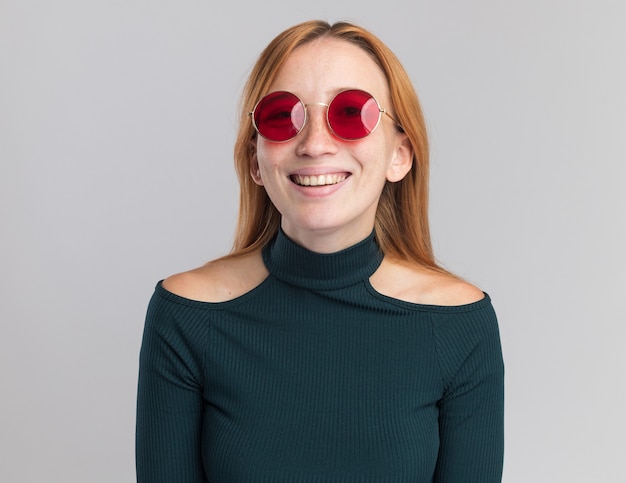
{"x": 117, "y": 121}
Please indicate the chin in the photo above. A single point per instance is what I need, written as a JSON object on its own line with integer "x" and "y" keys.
{"x": 325, "y": 226}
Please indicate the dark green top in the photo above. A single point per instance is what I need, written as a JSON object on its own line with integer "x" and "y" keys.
{"x": 314, "y": 376}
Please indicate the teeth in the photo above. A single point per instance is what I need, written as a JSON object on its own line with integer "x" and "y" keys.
{"x": 321, "y": 180}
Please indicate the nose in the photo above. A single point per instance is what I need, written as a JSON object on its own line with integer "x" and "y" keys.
{"x": 316, "y": 139}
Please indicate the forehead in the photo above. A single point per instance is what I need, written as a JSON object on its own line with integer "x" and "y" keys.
{"x": 325, "y": 66}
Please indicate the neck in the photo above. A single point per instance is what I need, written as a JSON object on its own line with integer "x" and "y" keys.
{"x": 292, "y": 263}
{"x": 326, "y": 240}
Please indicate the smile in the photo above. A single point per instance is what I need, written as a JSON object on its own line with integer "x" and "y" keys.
{"x": 320, "y": 180}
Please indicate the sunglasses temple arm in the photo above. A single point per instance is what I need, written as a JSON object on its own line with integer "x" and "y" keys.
{"x": 384, "y": 111}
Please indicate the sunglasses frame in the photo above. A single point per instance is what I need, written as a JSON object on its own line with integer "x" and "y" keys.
{"x": 381, "y": 111}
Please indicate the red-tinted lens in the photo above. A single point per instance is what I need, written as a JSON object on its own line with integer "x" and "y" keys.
{"x": 279, "y": 116}
{"x": 353, "y": 114}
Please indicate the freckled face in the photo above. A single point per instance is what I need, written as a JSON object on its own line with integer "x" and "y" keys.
{"x": 324, "y": 187}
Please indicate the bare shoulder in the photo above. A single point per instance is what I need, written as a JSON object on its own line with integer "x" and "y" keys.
{"x": 415, "y": 284}
{"x": 219, "y": 280}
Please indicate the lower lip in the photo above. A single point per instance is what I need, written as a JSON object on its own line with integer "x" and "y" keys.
{"x": 319, "y": 191}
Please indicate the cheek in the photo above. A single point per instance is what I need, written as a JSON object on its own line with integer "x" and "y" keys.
{"x": 374, "y": 157}
{"x": 269, "y": 156}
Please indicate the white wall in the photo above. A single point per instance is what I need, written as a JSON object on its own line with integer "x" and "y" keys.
{"x": 116, "y": 129}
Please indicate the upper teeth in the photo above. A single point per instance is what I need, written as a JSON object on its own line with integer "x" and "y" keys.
{"x": 321, "y": 180}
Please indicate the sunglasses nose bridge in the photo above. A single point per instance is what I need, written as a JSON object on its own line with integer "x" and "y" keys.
{"x": 312, "y": 118}
{"x": 314, "y": 104}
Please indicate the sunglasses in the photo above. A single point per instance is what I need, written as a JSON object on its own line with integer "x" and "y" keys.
{"x": 351, "y": 115}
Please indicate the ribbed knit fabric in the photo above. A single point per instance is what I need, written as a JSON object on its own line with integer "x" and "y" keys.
{"x": 313, "y": 376}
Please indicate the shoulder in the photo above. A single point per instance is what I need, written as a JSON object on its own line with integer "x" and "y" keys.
{"x": 420, "y": 285}
{"x": 219, "y": 280}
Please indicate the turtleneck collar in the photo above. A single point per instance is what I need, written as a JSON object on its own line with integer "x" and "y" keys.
{"x": 296, "y": 265}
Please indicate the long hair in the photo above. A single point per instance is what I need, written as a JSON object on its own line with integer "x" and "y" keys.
{"x": 401, "y": 224}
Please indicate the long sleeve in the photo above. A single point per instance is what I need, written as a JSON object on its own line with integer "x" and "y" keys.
{"x": 169, "y": 398}
{"x": 471, "y": 413}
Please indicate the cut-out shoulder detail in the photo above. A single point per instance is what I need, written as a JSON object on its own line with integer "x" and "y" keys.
{"x": 419, "y": 285}
{"x": 220, "y": 280}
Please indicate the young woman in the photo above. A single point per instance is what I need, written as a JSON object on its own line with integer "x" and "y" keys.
{"x": 329, "y": 346}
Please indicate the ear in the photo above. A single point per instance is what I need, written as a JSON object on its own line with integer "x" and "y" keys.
{"x": 255, "y": 172}
{"x": 402, "y": 161}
